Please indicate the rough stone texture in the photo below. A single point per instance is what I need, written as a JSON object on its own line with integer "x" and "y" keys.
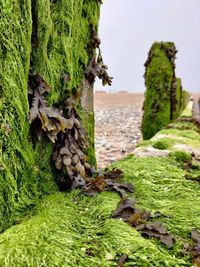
{"x": 189, "y": 149}
{"x": 143, "y": 152}
{"x": 87, "y": 97}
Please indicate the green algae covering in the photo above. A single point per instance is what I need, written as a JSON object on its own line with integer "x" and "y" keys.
{"x": 72, "y": 229}
{"x": 76, "y": 230}
{"x": 180, "y": 103}
{"x": 164, "y": 99}
{"x": 20, "y": 183}
{"x": 52, "y": 39}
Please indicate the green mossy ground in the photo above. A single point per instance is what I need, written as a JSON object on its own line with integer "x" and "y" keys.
{"x": 66, "y": 227}
{"x": 71, "y": 229}
{"x": 60, "y": 46}
{"x": 173, "y": 137}
{"x": 180, "y": 132}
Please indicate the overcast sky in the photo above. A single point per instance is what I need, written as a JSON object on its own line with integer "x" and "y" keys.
{"x": 129, "y": 27}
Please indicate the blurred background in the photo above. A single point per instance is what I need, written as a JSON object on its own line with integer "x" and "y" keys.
{"x": 128, "y": 29}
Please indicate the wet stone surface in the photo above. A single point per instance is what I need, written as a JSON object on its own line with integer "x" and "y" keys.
{"x": 117, "y": 129}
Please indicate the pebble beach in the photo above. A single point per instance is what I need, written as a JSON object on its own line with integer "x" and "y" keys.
{"x": 117, "y": 125}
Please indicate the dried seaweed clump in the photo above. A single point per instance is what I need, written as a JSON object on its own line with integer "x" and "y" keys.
{"x": 95, "y": 40}
{"x": 108, "y": 181}
{"x": 64, "y": 128}
{"x": 97, "y": 68}
{"x": 99, "y": 1}
{"x": 195, "y": 248}
{"x": 138, "y": 218}
{"x": 69, "y": 150}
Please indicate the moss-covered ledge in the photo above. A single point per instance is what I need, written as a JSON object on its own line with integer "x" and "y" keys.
{"x": 182, "y": 134}
{"x": 71, "y": 229}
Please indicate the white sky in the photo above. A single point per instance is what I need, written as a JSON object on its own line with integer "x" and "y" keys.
{"x": 128, "y": 28}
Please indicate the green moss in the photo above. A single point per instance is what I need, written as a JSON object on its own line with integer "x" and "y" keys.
{"x": 178, "y": 134}
{"x": 164, "y": 98}
{"x": 62, "y": 34}
{"x": 71, "y": 229}
{"x": 194, "y": 171}
{"x": 187, "y": 112}
{"x": 182, "y": 125}
{"x": 20, "y": 187}
{"x": 190, "y": 134}
{"x": 158, "y": 79}
{"x": 144, "y": 143}
{"x": 71, "y": 225}
{"x": 160, "y": 185}
{"x": 162, "y": 144}
{"x": 181, "y": 156}
{"x": 87, "y": 118}
{"x": 179, "y": 99}
{"x": 185, "y": 99}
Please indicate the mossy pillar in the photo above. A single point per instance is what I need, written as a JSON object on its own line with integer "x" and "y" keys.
{"x": 160, "y": 103}
{"x": 179, "y": 99}
{"x": 51, "y": 39}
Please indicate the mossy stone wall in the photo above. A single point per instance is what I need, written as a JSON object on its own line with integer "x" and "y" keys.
{"x": 163, "y": 96}
{"x": 50, "y": 38}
